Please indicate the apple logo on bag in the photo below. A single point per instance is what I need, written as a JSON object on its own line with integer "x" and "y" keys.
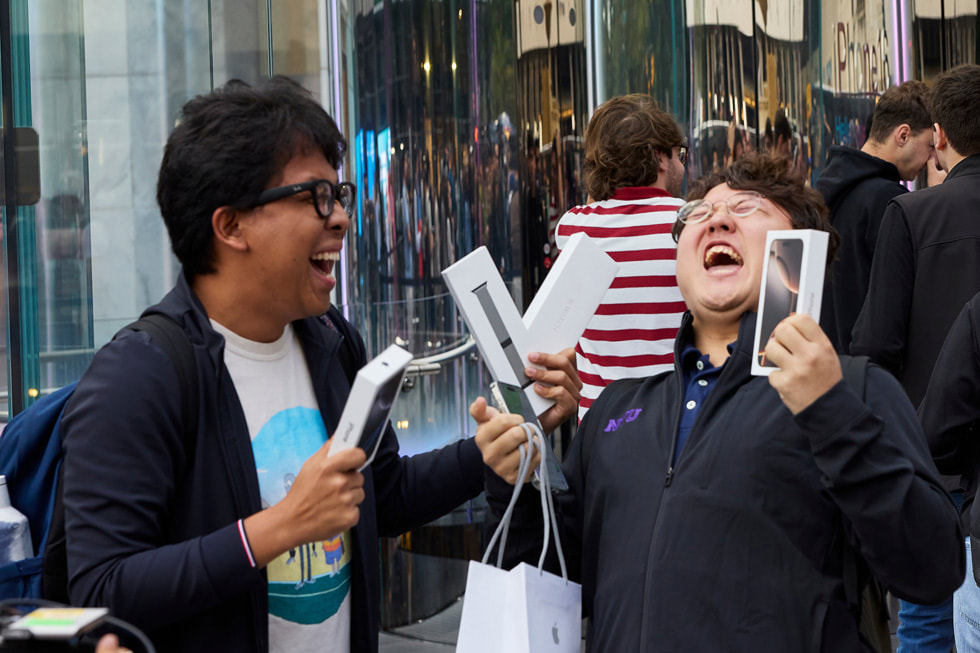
{"x": 554, "y": 632}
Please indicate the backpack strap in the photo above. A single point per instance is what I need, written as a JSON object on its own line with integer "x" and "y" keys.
{"x": 854, "y": 369}
{"x": 173, "y": 340}
{"x": 170, "y": 337}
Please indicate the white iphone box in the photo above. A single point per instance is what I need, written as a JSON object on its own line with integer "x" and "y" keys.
{"x": 792, "y": 282}
{"x": 569, "y": 296}
{"x": 365, "y": 414}
{"x": 494, "y": 321}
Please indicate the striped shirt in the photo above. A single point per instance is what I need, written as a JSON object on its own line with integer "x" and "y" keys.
{"x": 632, "y": 332}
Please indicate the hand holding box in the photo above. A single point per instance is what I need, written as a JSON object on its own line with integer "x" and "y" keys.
{"x": 792, "y": 282}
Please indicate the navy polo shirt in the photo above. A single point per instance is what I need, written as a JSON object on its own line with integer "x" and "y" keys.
{"x": 700, "y": 377}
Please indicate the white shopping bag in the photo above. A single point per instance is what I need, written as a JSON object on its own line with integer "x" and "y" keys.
{"x": 525, "y": 610}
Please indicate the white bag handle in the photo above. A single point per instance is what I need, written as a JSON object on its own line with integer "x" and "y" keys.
{"x": 547, "y": 503}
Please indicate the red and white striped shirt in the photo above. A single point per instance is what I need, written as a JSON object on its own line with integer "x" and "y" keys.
{"x": 632, "y": 332}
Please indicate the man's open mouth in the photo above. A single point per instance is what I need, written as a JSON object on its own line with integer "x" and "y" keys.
{"x": 721, "y": 255}
{"x": 324, "y": 261}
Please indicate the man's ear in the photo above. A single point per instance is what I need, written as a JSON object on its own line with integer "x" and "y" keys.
{"x": 226, "y": 224}
{"x": 902, "y": 135}
{"x": 939, "y": 137}
{"x": 662, "y": 162}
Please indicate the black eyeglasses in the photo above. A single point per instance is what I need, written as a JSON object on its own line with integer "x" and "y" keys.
{"x": 324, "y": 194}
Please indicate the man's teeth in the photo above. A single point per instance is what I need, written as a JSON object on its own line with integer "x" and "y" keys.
{"x": 721, "y": 255}
{"x": 326, "y": 256}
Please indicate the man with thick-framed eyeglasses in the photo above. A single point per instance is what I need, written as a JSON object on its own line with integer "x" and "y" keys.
{"x": 709, "y": 509}
{"x": 323, "y": 194}
{"x": 634, "y": 172}
{"x": 209, "y": 540}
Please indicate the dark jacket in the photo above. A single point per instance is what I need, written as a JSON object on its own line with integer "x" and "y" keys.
{"x": 856, "y": 187}
{"x": 925, "y": 269}
{"x": 738, "y": 546}
{"x": 950, "y": 414}
{"x": 151, "y": 513}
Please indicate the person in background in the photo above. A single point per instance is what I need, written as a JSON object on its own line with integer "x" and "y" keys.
{"x": 634, "y": 167}
{"x": 921, "y": 277}
{"x": 950, "y": 414}
{"x": 110, "y": 644}
{"x": 857, "y": 184}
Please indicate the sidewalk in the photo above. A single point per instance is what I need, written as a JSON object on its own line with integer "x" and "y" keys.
{"x": 434, "y": 635}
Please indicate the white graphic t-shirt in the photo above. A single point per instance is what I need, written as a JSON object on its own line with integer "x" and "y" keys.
{"x": 309, "y": 586}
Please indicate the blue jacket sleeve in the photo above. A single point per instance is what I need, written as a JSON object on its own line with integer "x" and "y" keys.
{"x": 880, "y": 330}
{"x": 876, "y": 466}
{"x": 124, "y": 453}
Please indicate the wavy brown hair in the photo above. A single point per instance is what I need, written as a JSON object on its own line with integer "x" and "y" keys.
{"x": 622, "y": 141}
{"x": 774, "y": 179}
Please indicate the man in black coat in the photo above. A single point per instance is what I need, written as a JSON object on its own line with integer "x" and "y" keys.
{"x": 923, "y": 272}
{"x": 857, "y": 185}
{"x": 950, "y": 412}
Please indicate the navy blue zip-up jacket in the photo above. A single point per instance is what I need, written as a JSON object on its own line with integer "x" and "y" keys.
{"x": 738, "y": 546}
{"x": 151, "y": 512}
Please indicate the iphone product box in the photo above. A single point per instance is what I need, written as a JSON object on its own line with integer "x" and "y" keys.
{"x": 365, "y": 414}
{"x": 792, "y": 282}
{"x": 554, "y": 321}
{"x": 569, "y": 296}
{"x": 494, "y": 321}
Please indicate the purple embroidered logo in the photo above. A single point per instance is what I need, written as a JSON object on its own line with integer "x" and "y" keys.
{"x": 630, "y": 415}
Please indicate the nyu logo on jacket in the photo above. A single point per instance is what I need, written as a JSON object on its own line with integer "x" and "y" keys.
{"x": 630, "y": 415}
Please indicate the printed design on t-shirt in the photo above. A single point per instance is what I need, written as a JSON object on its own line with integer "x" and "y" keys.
{"x": 307, "y": 583}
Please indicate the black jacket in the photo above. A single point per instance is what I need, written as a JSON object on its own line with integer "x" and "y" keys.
{"x": 856, "y": 187}
{"x": 925, "y": 269}
{"x": 738, "y": 547}
{"x": 950, "y": 413}
{"x": 151, "y": 513}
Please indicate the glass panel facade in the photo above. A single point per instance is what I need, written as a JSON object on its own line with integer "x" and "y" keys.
{"x": 99, "y": 84}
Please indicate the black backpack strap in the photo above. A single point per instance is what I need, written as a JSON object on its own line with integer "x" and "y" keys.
{"x": 173, "y": 340}
{"x": 854, "y": 369}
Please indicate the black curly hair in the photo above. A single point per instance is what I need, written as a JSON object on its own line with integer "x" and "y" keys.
{"x": 229, "y": 146}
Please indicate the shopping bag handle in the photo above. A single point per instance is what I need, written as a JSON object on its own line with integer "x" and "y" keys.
{"x": 535, "y": 439}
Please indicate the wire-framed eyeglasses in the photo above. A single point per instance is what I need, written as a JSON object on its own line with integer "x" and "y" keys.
{"x": 741, "y": 205}
{"x": 324, "y": 194}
